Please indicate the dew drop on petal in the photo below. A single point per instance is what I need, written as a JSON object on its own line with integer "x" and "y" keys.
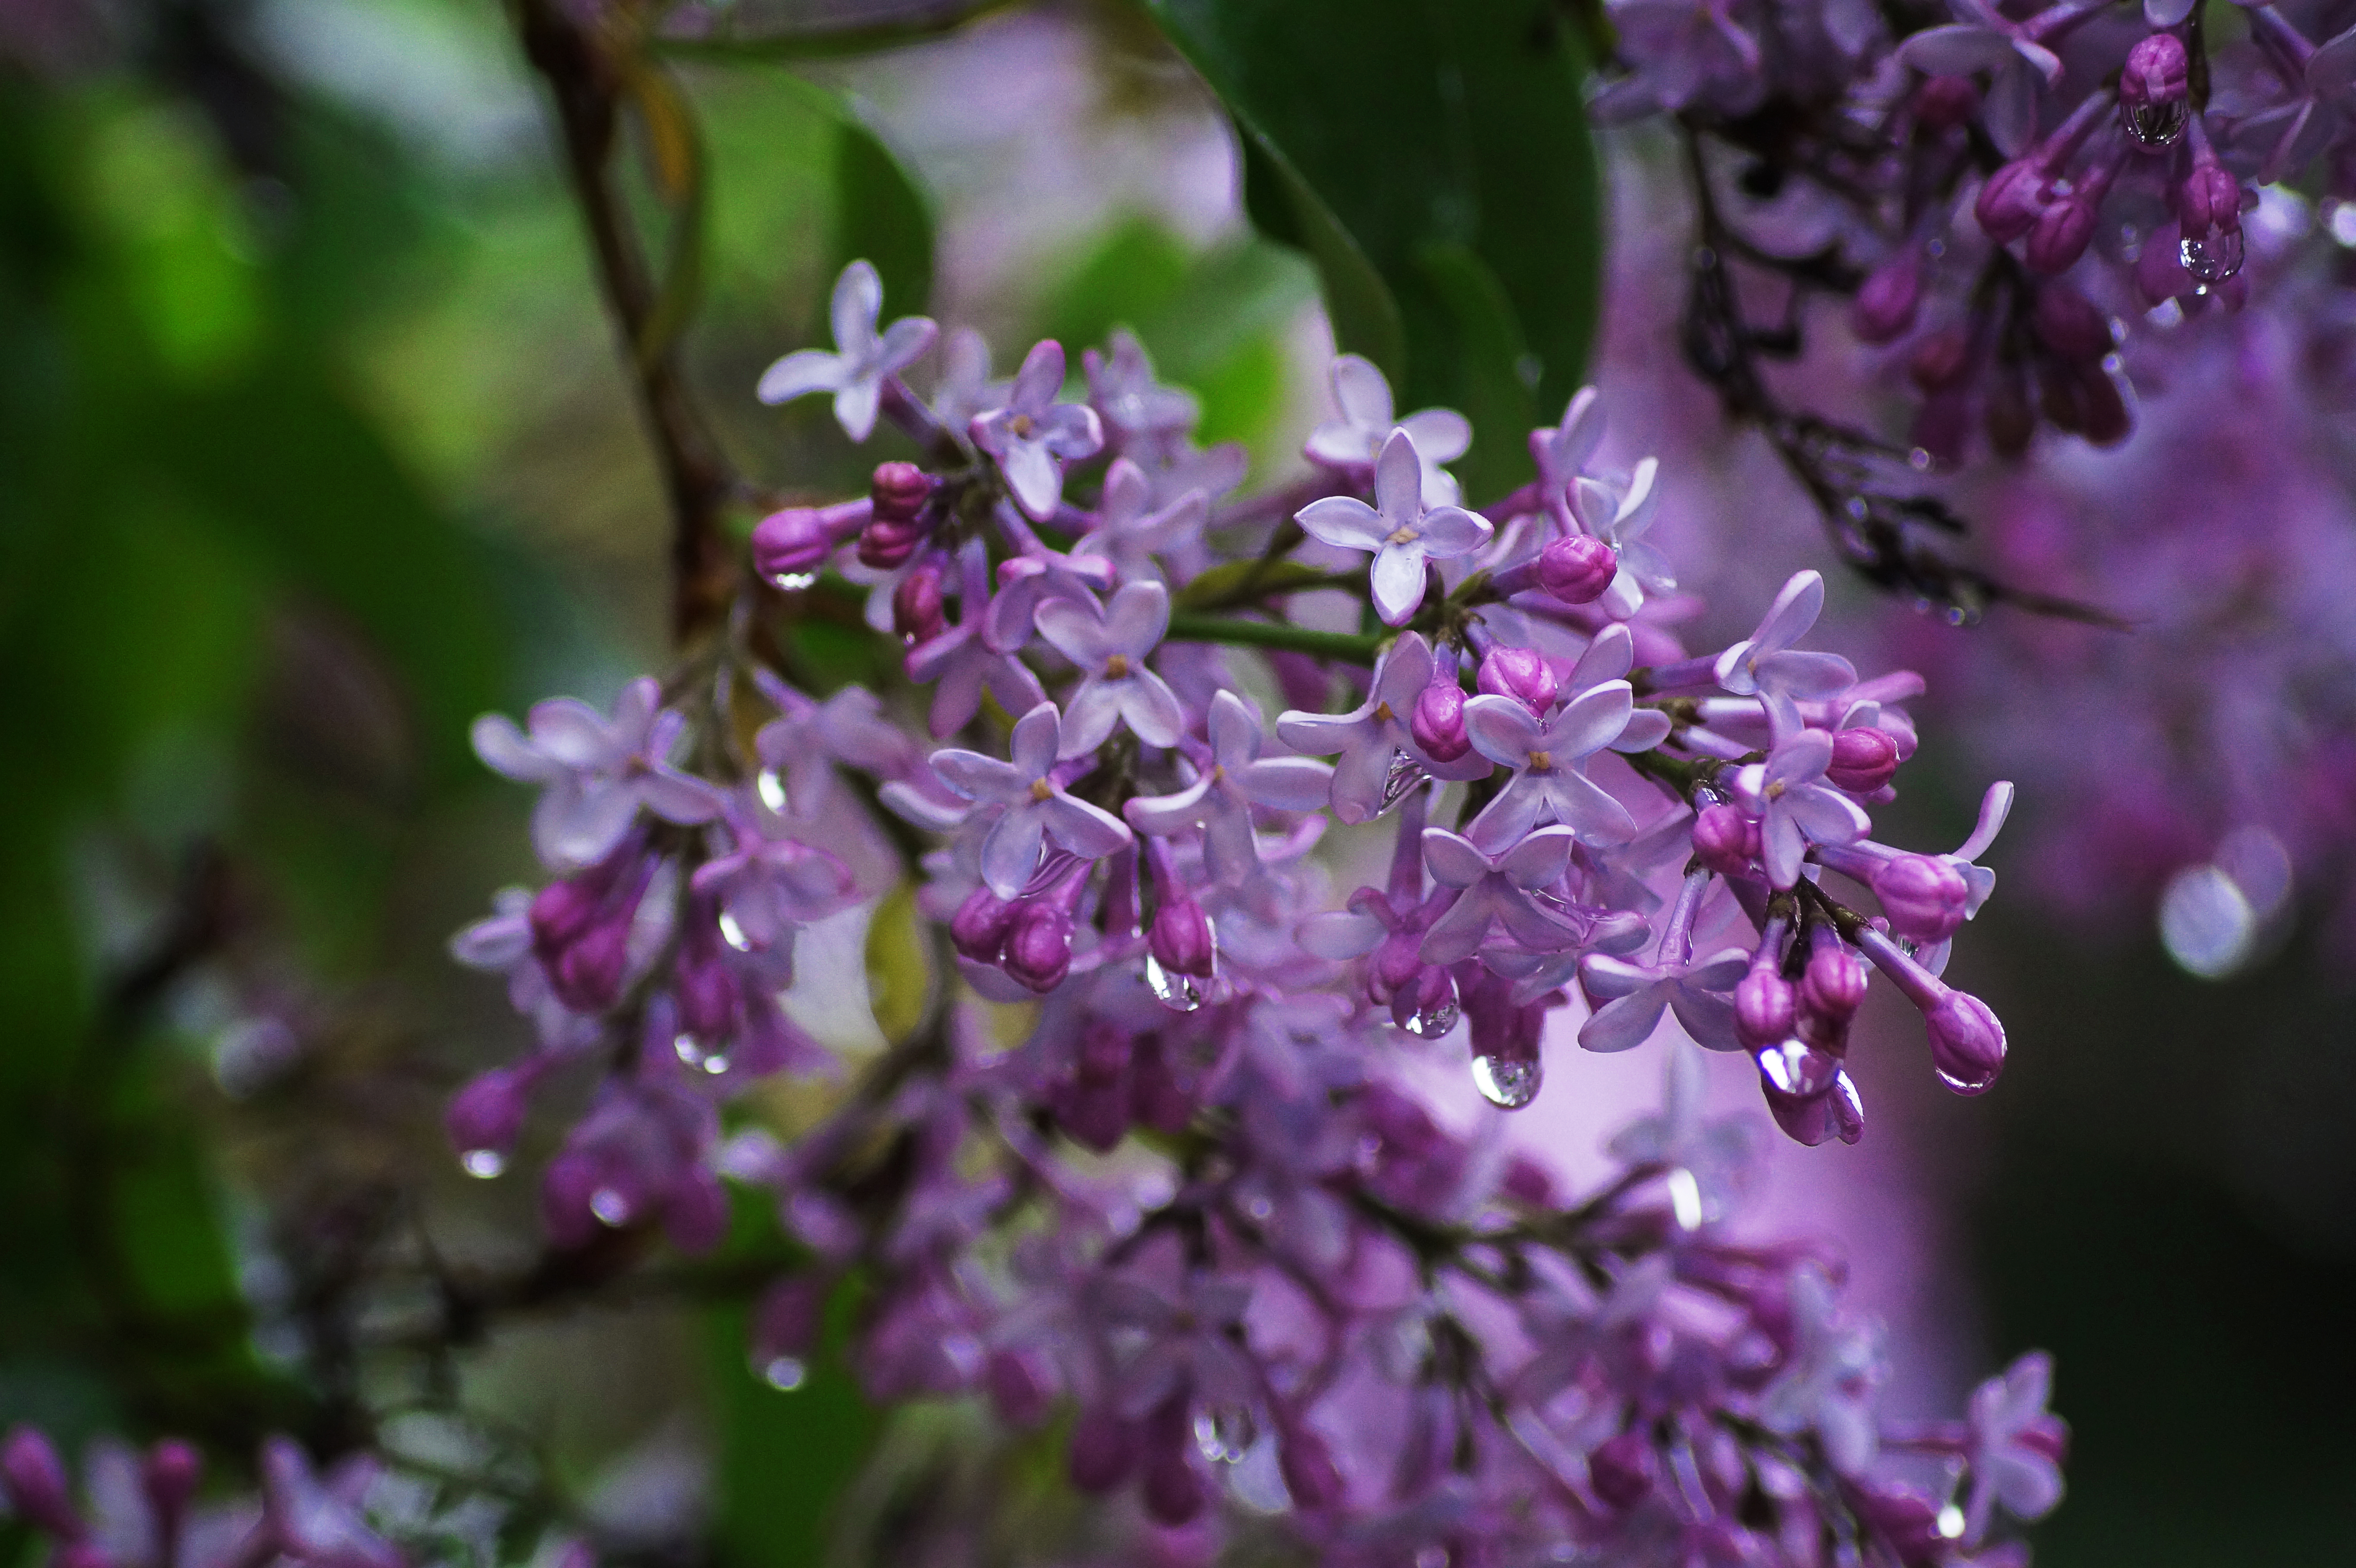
{"x": 483, "y": 1164}
{"x": 1177, "y": 992}
{"x": 784, "y": 1373}
{"x": 2206, "y": 922}
{"x": 794, "y": 582}
{"x": 689, "y": 1048}
{"x": 715, "y": 1065}
{"x": 1224, "y": 1433}
{"x": 2156, "y": 125}
{"x": 2210, "y": 260}
{"x": 610, "y": 1206}
{"x": 1509, "y": 1084}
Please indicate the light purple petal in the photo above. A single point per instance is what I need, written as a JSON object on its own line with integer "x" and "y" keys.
{"x": 1039, "y": 379}
{"x": 855, "y": 407}
{"x": 853, "y": 311}
{"x": 1806, "y": 675}
{"x": 904, "y": 343}
{"x": 1826, "y": 815}
{"x": 1403, "y": 674}
{"x": 1322, "y": 734}
{"x": 573, "y": 826}
{"x": 1799, "y": 760}
{"x": 1588, "y": 722}
{"x": 1501, "y": 729}
{"x": 1084, "y": 829}
{"x": 1136, "y": 619}
{"x": 1452, "y": 859}
{"x": 978, "y": 777}
{"x": 1508, "y": 818}
{"x": 2331, "y": 70}
{"x": 1336, "y": 936}
{"x": 505, "y": 750}
{"x": 1538, "y": 858}
{"x": 1076, "y": 628}
{"x": 801, "y": 373}
{"x": 1442, "y": 435}
{"x": 1398, "y": 480}
{"x": 1610, "y": 656}
{"x": 1587, "y": 808}
{"x": 1361, "y": 392}
{"x": 1071, "y": 430}
{"x": 1995, "y": 806}
{"x": 1090, "y": 715}
{"x": 1956, "y": 51}
{"x": 1398, "y": 580}
{"x": 677, "y": 797}
{"x": 1343, "y": 521}
{"x": 1011, "y": 850}
{"x": 1780, "y": 847}
{"x": 1285, "y": 784}
{"x": 1458, "y": 935}
{"x": 1647, "y": 728}
{"x": 568, "y": 730}
{"x": 1625, "y": 1024}
{"x": 1361, "y": 779}
{"x": 1032, "y": 475}
{"x": 1164, "y": 815}
{"x": 1151, "y": 708}
{"x": 1235, "y": 730}
{"x": 1708, "y": 1021}
{"x": 1451, "y": 531}
{"x": 1787, "y": 620}
{"x": 1032, "y": 745}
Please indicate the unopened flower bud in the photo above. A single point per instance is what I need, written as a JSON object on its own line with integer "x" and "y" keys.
{"x": 2154, "y": 89}
{"x": 1039, "y": 945}
{"x": 169, "y": 1478}
{"x": 485, "y": 1117}
{"x": 786, "y": 1320}
{"x": 1724, "y": 839}
{"x": 1181, "y": 940}
{"x": 1621, "y": 1470}
{"x": 1765, "y": 1007}
{"x": 1437, "y": 721}
{"x": 2068, "y": 324}
{"x": 1307, "y": 1465}
{"x": 2013, "y": 199}
{"x": 2012, "y": 417}
{"x": 1924, "y": 897}
{"x": 2209, "y": 202}
{"x": 916, "y": 605}
{"x": 1522, "y": 674}
{"x": 1104, "y": 1449}
{"x": 562, "y": 913}
{"x": 1173, "y": 1492}
{"x": 707, "y": 992}
{"x": 1864, "y": 759}
{"x": 1833, "y": 985}
{"x": 1943, "y": 102}
{"x": 796, "y": 542}
{"x": 588, "y": 975}
{"x": 36, "y": 1484}
{"x": 1576, "y": 568}
{"x": 1966, "y": 1042}
{"x": 2062, "y": 234}
{"x": 1018, "y": 1388}
{"x": 900, "y": 491}
{"x": 887, "y": 543}
{"x": 978, "y": 929}
{"x": 1886, "y": 301}
{"x": 1941, "y": 360}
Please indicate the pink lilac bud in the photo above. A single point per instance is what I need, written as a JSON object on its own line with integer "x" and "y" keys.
{"x": 1863, "y": 759}
{"x": 1522, "y": 674}
{"x": 1766, "y": 1006}
{"x": 1576, "y": 569}
{"x": 2068, "y": 324}
{"x": 587, "y": 977}
{"x": 2209, "y": 201}
{"x": 1724, "y": 840}
{"x": 485, "y": 1116}
{"x": 2154, "y": 91}
{"x": 887, "y": 543}
{"x": 900, "y": 491}
{"x": 1622, "y": 1471}
{"x": 1019, "y": 1390}
{"x": 1039, "y": 945}
{"x": 978, "y": 929}
{"x": 1181, "y": 940}
{"x": 1967, "y": 1043}
{"x": 796, "y": 542}
{"x": 1104, "y": 1449}
{"x": 36, "y": 1484}
{"x": 169, "y": 1478}
{"x": 1307, "y": 1465}
{"x": 1943, "y": 102}
{"x": 1437, "y": 721}
{"x": 707, "y": 991}
{"x": 2013, "y": 199}
{"x": 916, "y": 613}
{"x": 2084, "y": 400}
{"x": 1887, "y": 299}
{"x": 1941, "y": 360}
{"x": 1526, "y": 1181}
{"x": 1833, "y": 985}
{"x": 1923, "y": 896}
{"x": 2063, "y": 231}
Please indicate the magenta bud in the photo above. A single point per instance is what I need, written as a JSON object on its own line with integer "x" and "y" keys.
{"x": 562, "y": 913}
{"x": 916, "y": 605}
{"x": 900, "y": 491}
{"x": 1173, "y": 1492}
{"x": 1724, "y": 840}
{"x": 1526, "y": 1181}
{"x": 1966, "y": 1042}
{"x": 1765, "y": 1007}
{"x": 2154, "y": 91}
{"x": 1181, "y": 940}
{"x": 1886, "y": 301}
{"x": 2209, "y": 202}
{"x": 2011, "y": 201}
{"x": 1437, "y": 721}
{"x": 1923, "y": 896}
{"x": 794, "y": 542}
{"x": 1834, "y": 983}
{"x": 485, "y": 1117}
{"x": 1620, "y": 1471}
{"x": 1522, "y": 674}
{"x": 1576, "y": 568}
{"x": 1104, "y": 1449}
{"x": 169, "y": 1478}
{"x": 979, "y": 928}
{"x": 1039, "y": 946}
{"x": 1308, "y": 1467}
{"x": 2061, "y": 235}
{"x": 2070, "y": 325}
{"x": 587, "y": 975}
{"x": 786, "y": 1319}
{"x": 1943, "y": 102}
{"x": 706, "y": 997}
{"x": 1863, "y": 759}
{"x": 886, "y": 543}
{"x": 1940, "y": 361}
{"x": 1018, "y": 1387}
{"x": 36, "y": 1484}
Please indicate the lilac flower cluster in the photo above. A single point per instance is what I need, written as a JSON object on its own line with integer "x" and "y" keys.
{"x": 1151, "y": 1154}
{"x": 2004, "y": 188}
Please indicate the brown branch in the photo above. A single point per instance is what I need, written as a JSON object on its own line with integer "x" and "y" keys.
{"x": 587, "y": 82}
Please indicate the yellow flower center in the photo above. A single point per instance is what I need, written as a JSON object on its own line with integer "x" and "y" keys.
{"x": 1115, "y": 666}
{"x": 1541, "y": 761}
{"x": 1041, "y": 789}
{"x": 1403, "y": 536}
{"x": 1021, "y": 424}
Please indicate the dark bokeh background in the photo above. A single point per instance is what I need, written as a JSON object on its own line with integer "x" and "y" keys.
{"x": 313, "y": 446}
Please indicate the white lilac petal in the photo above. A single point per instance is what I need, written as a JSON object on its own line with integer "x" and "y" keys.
{"x": 1451, "y": 531}
{"x": 801, "y": 373}
{"x": 1009, "y": 852}
{"x": 1398, "y": 582}
{"x": 505, "y": 750}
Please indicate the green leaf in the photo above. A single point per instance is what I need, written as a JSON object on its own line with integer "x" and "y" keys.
{"x": 881, "y": 211}
{"x": 1435, "y": 164}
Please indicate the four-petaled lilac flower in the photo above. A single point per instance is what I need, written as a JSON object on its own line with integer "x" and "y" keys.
{"x": 1550, "y": 783}
{"x": 1829, "y": 1382}
{"x": 1355, "y": 443}
{"x": 1400, "y": 532}
{"x": 1372, "y": 736}
{"x": 317, "y": 1521}
{"x": 2016, "y": 1445}
{"x": 1793, "y": 804}
{"x": 1766, "y": 665}
{"x": 1496, "y": 893}
{"x": 1636, "y": 995}
{"x": 855, "y": 372}
{"x": 1110, "y": 646}
{"x": 1139, "y": 409}
{"x": 1130, "y": 532}
{"x": 594, "y": 771}
{"x": 1036, "y": 806}
{"x": 1034, "y": 435}
{"x": 769, "y": 888}
{"x": 1222, "y": 796}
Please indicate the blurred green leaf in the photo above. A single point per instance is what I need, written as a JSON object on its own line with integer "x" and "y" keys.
{"x": 1435, "y": 164}
{"x": 881, "y": 211}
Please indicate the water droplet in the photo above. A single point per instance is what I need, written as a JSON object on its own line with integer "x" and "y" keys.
{"x": 1431, "y": 1022}
{"x": 1685, "y": 1198}
{"x": 2210, "y": 260}
{"x": 734, "y": 932}
{"x": 483, "y": 1164}
{"x": 1798, "y": 1070}
{"x": 1225, "y": 1432}
{"x": 2206, "y": 922}
{"x": 773, "y": 790}
{"x": 794, "y": 582}
{"x": 2156, "y": 125}
{"x": 1260, "y": 1209}
{"x": 715, "y": 1065}
{"x": 1510, "y": 1083}
{"x": 1951, "y": 1521}
{"x": 610, "y": 1206}
{"x": 690, "y": 1049}
{"x": 1404, "y": 775}
{"x": 784, "y": 1373}
{"x": 1177, "y": 992}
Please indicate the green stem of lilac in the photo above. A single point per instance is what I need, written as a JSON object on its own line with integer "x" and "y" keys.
{"x": 1352, "y": 647}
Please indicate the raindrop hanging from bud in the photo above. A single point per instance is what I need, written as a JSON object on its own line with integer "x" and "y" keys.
{"x": 1173, "y": 989}
{"x": 1225, "y": 1433}
{"x": 483, "y": 1164}
{"x": 785, "y": 1373}
{"x": 1506, "y": 1083}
